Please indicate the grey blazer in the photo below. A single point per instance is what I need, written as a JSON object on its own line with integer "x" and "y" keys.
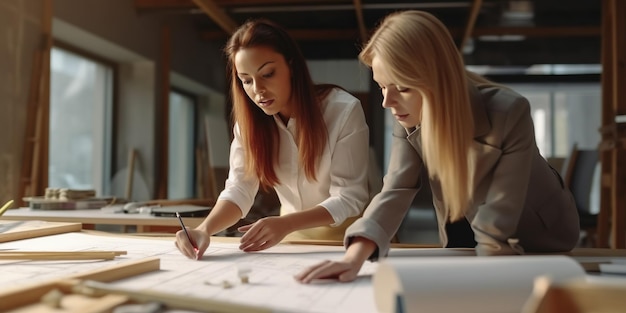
{"x": 519, "y": 203}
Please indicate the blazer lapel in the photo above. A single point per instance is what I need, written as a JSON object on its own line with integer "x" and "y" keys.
{"x": 482, "y": 154}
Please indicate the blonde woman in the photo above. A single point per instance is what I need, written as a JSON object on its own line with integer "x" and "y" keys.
{"x": 492, "y": 190}
{"x": 308, "y": 142}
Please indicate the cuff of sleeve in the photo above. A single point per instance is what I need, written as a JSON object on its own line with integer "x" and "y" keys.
{"x": 511, "y": 247}
{"x": 243, "y": 207}
{"x": 369, "y": 229}
{"x": 340, "y": 213}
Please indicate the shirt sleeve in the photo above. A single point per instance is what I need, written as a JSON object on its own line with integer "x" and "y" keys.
{"x": 348, "y": 170}
{"x": 239, "y": 188}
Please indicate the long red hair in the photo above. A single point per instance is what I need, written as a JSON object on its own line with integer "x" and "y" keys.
{"x": 259, "y": 132}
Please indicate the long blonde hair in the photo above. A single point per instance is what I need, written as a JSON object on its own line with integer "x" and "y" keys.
{"x": 419, "y": 53}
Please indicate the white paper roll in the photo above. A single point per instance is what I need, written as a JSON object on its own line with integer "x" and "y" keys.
{"x": 497, "y": 284}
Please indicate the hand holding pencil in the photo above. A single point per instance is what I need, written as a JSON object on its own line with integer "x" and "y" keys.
{"x": 192, "y": 243}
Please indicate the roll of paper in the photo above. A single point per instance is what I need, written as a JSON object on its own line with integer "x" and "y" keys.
{"x": 497, "y": 284}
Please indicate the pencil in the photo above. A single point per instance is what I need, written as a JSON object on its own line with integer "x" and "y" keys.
{"x": 180, "y": 219}
{"x": 6, "y": 206}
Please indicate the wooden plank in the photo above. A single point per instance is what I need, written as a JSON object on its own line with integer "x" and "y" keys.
{"x": 26, "y": 294}
{"x": 12, "y": 230}
{"x": 122, "y": 270}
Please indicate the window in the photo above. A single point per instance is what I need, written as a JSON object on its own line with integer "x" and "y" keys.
{"x": 563, "y": 114}
{"x": 80, "y": 122}
{"x": 180, "y": 184}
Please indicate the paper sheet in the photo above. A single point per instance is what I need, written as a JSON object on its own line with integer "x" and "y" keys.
{"x": 271, "y": 280}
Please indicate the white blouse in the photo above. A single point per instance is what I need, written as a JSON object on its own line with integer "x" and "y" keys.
{"x": 341, "y": 185}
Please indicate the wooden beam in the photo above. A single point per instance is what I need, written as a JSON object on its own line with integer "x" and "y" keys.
{"x": 471, "y": 21}
{"x": 276, "y": 2}
{"x": 606, "y": 132}
{"x": 189, "y": 4}
{"x": 613, "y": 147}
{"x": 215, "y": 12}
{"x": 350, "y": 34}
{"x": 299, "y": 34}
{"x": 162, "y": 112}
{"x": 39, "y": 171}
{"x": 30, "y": 132}
{"x": 358, "y": 8}
{"x": 618, "y": 51}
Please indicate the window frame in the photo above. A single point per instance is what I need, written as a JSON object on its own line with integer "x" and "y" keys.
{"x": 111, "y": 136}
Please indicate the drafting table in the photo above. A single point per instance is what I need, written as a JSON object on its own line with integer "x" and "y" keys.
{"x": 91, "y": 217}
{"x": 271, "y": 283}
{"x": 271, "y": 279}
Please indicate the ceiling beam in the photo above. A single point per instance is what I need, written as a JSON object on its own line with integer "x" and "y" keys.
{"x": 276, "y": 2}
{"x": 217, "y": 15}
{"x": 471, "y": 21}
{"x": 347, "y": 34}
{"x": 189, "y": 4}
{"x": 298, "y": 34}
